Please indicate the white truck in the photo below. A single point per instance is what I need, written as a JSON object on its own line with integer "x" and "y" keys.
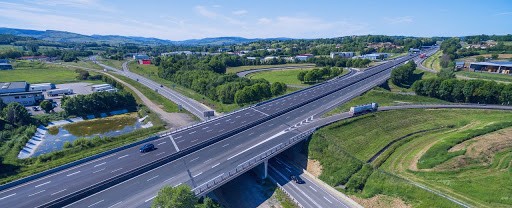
{"x": 57, "y": 92}
{"x": 362, "y": 109}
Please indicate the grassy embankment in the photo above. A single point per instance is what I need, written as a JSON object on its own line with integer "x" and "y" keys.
{"x": 433, "y": 61}
{"x": 151, "y": 72}
{"x": 237, "y": 69}
{"x": 38, "y": 72}
{"x": 486, "y": 76}
{"x": 344, "y": 147}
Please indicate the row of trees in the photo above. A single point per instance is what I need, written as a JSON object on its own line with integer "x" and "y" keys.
{"x": 339, "y": 62}
{"x": 259, "y": 92}
{"x": 319, "y": 75}
{"x": 181, "y": 197}
{"x": 469, "y": 91}
{"x": 449, "y": 48}
{"x": 403, "y": 75}
{"x": 100, "y": 102}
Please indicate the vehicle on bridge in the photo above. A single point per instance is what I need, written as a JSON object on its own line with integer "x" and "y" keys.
{"x": 363, "y": 109}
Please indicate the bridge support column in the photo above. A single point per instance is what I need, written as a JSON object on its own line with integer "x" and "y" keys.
{"x": 262, "y": 170}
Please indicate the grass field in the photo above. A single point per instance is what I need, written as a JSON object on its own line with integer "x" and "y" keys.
{"x": 486, "y": 76}
{"x": 151, "y": 71}
{"x": 113, "y": 63}
{"x": 37, "y": 72}
{"x": 85, "y": 63}
{"x": 286, "y": 76}
{"x": 343, "y": 147}
{"x": 432, "y": 62}
{"x": 245, "y": 68}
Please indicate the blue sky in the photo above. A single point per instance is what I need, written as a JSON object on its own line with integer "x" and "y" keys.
{"x": 188, "y": 19}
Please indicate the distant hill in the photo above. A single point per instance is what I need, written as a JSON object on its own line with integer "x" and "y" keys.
{"x": 63, "y": 36}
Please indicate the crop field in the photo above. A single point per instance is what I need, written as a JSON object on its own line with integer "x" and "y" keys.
{"x": 37, "y": 72}
{"x": 245, "y": 68}
{"x": 445, "y": 150}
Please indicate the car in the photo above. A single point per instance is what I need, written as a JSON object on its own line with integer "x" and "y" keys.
{"x": 161, "y": 86}
{"x": 296, "y": 179}
{"x": 35, "y": 108}
{"x": 147, "y": 148}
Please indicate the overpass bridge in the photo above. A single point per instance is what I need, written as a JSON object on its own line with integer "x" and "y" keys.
{"x": 204, "y": 156}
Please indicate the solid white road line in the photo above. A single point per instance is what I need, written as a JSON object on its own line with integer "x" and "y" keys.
{"x": 37, "y": 193}
{"x": 96, "y": 203}
{"x": 58, "y": 192}
{"x": 73, "y": 173}
{"x": 174, "y": 143}
{"x": 43, "y": 184}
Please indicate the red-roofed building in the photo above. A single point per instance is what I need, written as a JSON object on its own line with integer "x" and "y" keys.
{"x": 145, "y": 61}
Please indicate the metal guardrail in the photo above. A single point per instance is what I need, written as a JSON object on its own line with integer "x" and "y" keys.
{"x": 249, "y": 164}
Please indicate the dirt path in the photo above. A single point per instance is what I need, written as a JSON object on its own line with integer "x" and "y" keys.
{"x": 173, "y": 120}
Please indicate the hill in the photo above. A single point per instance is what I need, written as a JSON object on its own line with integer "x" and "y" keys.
{"x": 63, "y": 36}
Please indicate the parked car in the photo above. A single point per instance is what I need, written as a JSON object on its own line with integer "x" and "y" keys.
{"x": 147, "y": 147}
{"x": 35, "y": 108}
{"x": 296, "y": 179}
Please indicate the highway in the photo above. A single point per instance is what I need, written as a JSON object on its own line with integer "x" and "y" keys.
{"x": 189, "y": 104}
{"x": 210, "y": 147}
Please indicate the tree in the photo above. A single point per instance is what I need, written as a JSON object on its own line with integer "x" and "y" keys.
{"x": 16, "y": 114}
{"x": 2, "y": 105}
{"x": 177, "y": 197}
{"x": 277, "y": 88}
{"x": 446, "y": 74}
{"x": 209, "y": 203}
{"x": 494, "y": 56}
{"x": 301, "y": 75}
{"x": 480, "y": 58}
{"x": 46, "y": 105}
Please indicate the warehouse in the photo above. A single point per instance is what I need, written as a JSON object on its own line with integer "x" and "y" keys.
{"x": 24, "y": 98}
{"x": 494, "y": 67}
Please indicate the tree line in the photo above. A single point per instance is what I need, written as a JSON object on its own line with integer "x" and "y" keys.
{"x": 403, "y": 75}
{"x": 319, "y": 74}
{"x": 99, "y": 102}
{"x": 339, "y": 62}
{"x": 468, "y": 91}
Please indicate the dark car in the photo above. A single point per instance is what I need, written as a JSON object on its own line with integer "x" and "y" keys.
{"x": 297, "y": 179}
{"x": 161, "y": 86}
{"x": 147, "y": 147}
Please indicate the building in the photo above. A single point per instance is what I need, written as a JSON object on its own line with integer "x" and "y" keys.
{"x": 34, "y": 58}
{"x": 5, "y": 64}
{"x": 144, "y": 61}
{"x": 414, "y": 50}
{"x": 504, "y": 67}
{"x": 140, "y": 56}
{"x": 41, "y": 87}
{"x": 18, "y": 92}
{"x": 373, "y": 56}
{"x": 343, "y": 54}
{"x": 459, "y": 64}
{"x": 304, "y": 57}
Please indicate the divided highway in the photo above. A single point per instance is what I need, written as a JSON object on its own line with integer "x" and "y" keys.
{"x": 198, "y": 153}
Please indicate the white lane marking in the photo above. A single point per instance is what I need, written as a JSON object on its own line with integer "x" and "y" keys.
{"x": 217, "y": 124}
{"x": 228, "y": 120}
{"x": 37, "y": 193}
{"x": 295, "y": 186}
{"x": 288, "y": 170}
{"x": 150, "y": 199}
{"x": 194, "y": 159}
{"x": 7, "y": 196}
{"x": 122, "y": 156}
{"x": 174, "y": 143}
{"x": 260, "y": 112}
{"x": 73, "y": 173}
{"x": 160, "y": 153}
{"x": 58, "y": 192}
{"x": 225, "y": 145}
{"x": 177, "y": 185}
{"x": 197, "y": 174}
{"x": 177, "y": 137}
{"x": 194, "y": 140}
{"x": 251, "y": 133}
{"x": 209, "y": 130}
{"x": 313, "y": 188}
{"x": 328, "y": 200}
{"x": 192, "y": 132}
{"x": 162, "y": 143}
{"x": 207, "y": 160}
{"x": 205, "y": 128}
{"x": 116, "y": 170}
{"x": 215, "y": 165}
{"x": 266, "y": 140}
{"x": 152, "y": 178}
{"x": 43, "y": 184}
{"x": 96, "y": 203}
{"x": 99, "y": 170}
{"x": 115, "y": 204}
{"x": 103, "y": 163}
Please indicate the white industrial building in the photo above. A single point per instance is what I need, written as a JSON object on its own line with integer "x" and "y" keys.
{"x": 342, "y": 54}
{"x": 373, "y": 56}
{"x": 19, "y": 92}
{"x": 41, "y": 87}
{"x": 304, "y": 57}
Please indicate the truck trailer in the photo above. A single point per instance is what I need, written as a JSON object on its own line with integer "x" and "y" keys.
{"x": 362, "y": 109}
{"x": 57, "y": 92}
{"x": 41, "y": 87}
{"x": 98, "y": 86}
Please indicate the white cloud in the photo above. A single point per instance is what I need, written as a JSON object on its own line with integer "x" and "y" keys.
{"x": 205, "y": 12}
{"x": 82, "y": 4}
{"x": 502, "y": 13}
{"x": 240, "y": 12}
{"x": 398, "y": 20}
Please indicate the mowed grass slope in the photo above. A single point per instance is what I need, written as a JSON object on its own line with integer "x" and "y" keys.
{"x": 245, "y": 68}
{"x": 37, "y": 72}
{"x": 288, "y": 76}
{"x": 343, "y": 147}
{"x": 433, "y": 61}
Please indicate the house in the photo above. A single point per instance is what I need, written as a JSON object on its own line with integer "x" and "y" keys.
{"x": 19, "y": 92}
{"x": 144, "y": 61}
{"x": 503, "y": 67}
{"x": 304, "y": 57}
{"x": 343, "y": 54}
{"x": 459, "y": 64}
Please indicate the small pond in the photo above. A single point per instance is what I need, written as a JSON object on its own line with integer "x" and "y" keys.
{"x": 56, "y": 136}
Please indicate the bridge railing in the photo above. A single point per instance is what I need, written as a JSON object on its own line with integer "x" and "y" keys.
{"x": 249, "y": 164}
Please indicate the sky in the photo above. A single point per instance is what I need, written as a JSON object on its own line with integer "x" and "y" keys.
{"x": 189, "y": 19}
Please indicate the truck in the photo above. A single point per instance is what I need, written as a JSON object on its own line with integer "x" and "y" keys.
{"x": 98, "y": 86}
{"x": 41, "y": 87}
{"x": 56, "y": 92}
{"x": 423, "y": 55}
{"x": 100, "y": 89}
{"x": 363, "y": 109}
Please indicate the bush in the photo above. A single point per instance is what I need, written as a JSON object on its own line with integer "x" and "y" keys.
{"x": 357, "y": 181}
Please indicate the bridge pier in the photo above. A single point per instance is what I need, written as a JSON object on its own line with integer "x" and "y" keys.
{"x": 262, "y": 170}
